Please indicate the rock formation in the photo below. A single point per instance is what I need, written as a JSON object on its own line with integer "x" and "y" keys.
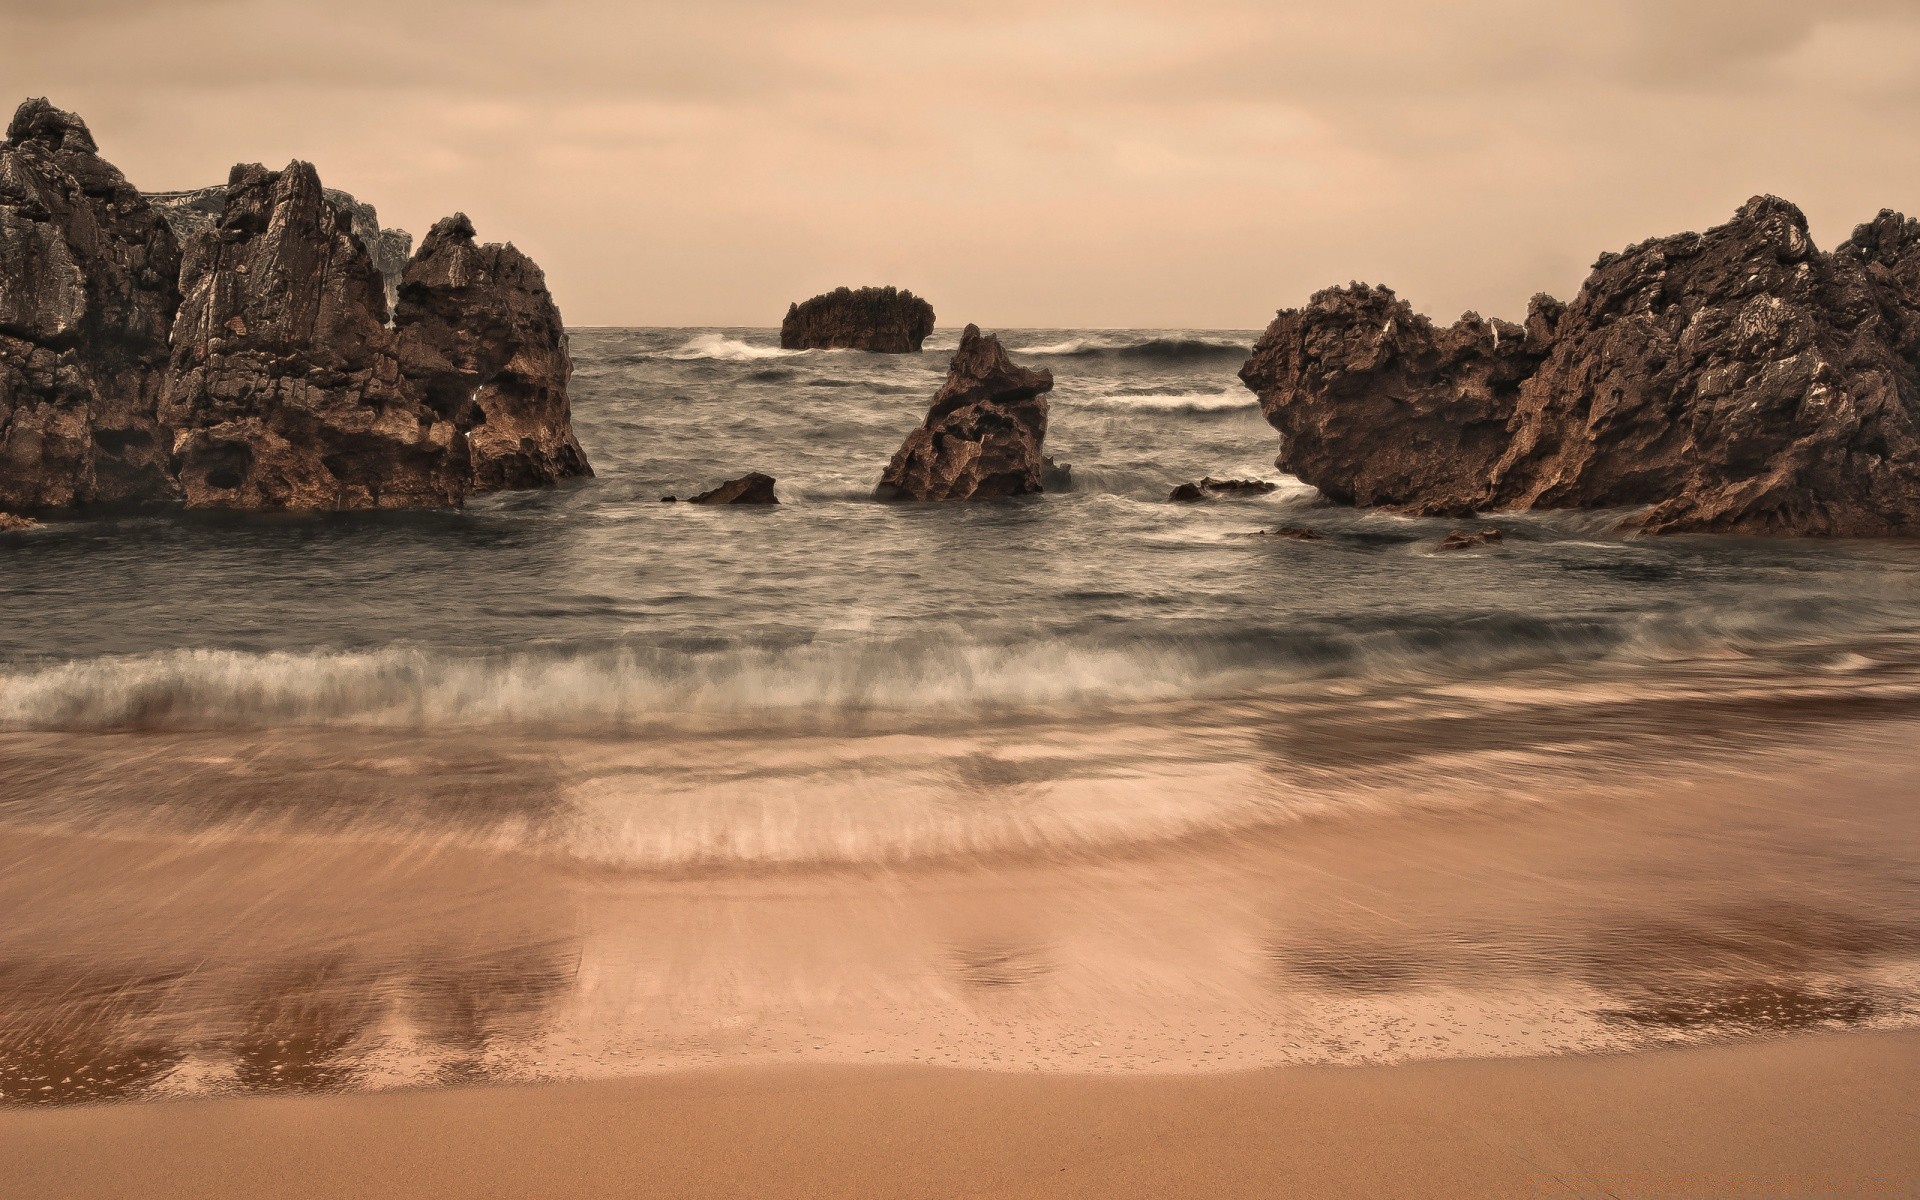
{"x": 1734, "y": 381}
{"x": 884, "y": 320}
{"x": 1190, "y": 492}
{"x": 752, "y": 488}
{"x": 1462, "y": 539}
{"x": 193, "y": 213}
{"x": 257, "y": 370}
{"x": 88, "y": 290}
{"x": 12, "y": 524}
{"x": 286, "y": 389}
{"x": 982, "y": 437}
{"x": 480, "y": 337}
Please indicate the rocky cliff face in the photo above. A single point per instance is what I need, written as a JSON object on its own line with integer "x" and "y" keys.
{"x": 192, "y": 213}
{"x": 285, "y": 389}
{"x": 88, "y": 292}
{"x": 482, "y": 340}
{"x": 884, "y": 320}
{"x": 1733, "y": 381}
{"x": 983, "y": 435}
{"x": 258, "y": 370}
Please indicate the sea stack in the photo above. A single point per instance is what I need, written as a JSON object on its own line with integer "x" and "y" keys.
{"x": 983, "y": 436}
{"x": 286, "y": 389}
{"x": 194, "y": 212}
{"x": 883, "y": 320}
{"x": 88, "y": 289}
{"x": 481, "y": 338}
{"x": 1736, "y": 381}
{"x": 257, "y": 369}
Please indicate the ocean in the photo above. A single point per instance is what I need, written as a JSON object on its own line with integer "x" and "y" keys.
{"x": 579, "y": 782}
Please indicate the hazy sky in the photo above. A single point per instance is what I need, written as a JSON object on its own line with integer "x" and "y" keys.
{"x": 1131, "y": 163}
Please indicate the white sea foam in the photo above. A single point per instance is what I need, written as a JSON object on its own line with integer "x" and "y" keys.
{"x": 1232, "y": 399}
{"x": 718, "y": 347}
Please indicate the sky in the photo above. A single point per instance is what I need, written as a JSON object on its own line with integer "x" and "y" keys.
{"x": 1020, "y": 163}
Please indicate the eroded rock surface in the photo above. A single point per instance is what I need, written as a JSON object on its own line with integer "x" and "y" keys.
{"x": 983, "y": 435}
{"x": 751, "y": 488}
{"x": 1209, "y": 486}
{"x": 286, "y": 389}
{"x": 88, "y": 291}
{"x": 885, "y": 320}
{"x": 1734, "y": 381}
{"x": 192, "y": 213}
{"x": 480, "y": 336}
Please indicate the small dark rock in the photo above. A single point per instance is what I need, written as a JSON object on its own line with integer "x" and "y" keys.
{"x": 1210, "y": 486}
{"x": 1460, "y": 539}
{"x": 12, "y": 524}
{"x": 669, "y": 499}
{"x": 753, "y": 488}
{"x": 1297, "y": 533}
{"x": 1055, "y": 477}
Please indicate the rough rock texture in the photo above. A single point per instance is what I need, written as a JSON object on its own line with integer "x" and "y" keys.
{"x": 12, "y": 524}
{"x": 752, "y": 488}
{"x": 480, "y": 337}
{"x": 286, "y": 389}
{"x": 88, "y": 292}
{"x": 193, "y": 213}
{"x": 1461, "y": 539}
{"x": 1379, "y": 406}
{"x": 884, "y": 320}
{"x": 1190, "y": 492}
{"x": 982, "y": 437}
{"x": 1733, "y": 381}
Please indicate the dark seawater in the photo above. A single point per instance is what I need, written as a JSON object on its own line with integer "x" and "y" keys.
{"x": 580, "y": 782}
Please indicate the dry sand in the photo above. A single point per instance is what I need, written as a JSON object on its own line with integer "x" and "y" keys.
{"x": 1822, "y": 1115}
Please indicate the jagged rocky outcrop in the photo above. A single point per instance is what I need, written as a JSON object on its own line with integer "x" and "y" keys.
{"x": 983, "y": 435}
{"x": 1736, "y": 381}
{"x": 884, "y": 320}
{"x": 1380, "y": 406}
{"x": 479, "y": 335}
{"x": 88, "y": 291}
{"x": 258, "y": 369}
{"x": 191, "y": 214}
{"x": 751, "y": 488}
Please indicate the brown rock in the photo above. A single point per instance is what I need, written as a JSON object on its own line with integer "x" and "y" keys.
{"x": 88, "y": 289}
{"x": 9, "y": 523}
{"x": 753, "y": 488}
{"x": 1733, "y": 381}
{"x": 885, "y": 320}
{"x": 480, "y": 337}
{"x": 1297, "y": 533}
{"x": 1210, "y": 486}
{"x": 1460, "y": 539}
{"x": 286, "y": 389}
{"x": 983, "y": 435}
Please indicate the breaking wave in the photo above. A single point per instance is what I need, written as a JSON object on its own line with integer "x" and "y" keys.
{"x": 717, "y": 347}
{"x": 1229, "y": 400}
{"x": 1158, "y": 348}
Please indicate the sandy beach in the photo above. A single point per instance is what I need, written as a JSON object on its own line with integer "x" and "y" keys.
{"x": 1813, "y": 1116}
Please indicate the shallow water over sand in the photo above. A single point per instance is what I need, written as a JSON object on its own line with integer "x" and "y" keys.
{"x": 580, "y": 783}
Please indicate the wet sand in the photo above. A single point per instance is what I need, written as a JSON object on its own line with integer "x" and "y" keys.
{"x": 1829, "y": 1115}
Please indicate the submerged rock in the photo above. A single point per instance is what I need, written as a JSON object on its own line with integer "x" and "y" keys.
{"x": 884, "y": 320}
{"x": 286, "y": 388}
{"x": 88, "y": 289}
{"x": 191, "y": 214}
{"x": 752, "y": 488}
{"x": 1297, "y": 533}
{"x": 1461, "y": 539}
{"x": 983, "y": 435}
{"x": 479, "y": 335}
{"x": 1189, "y": 492}
{"x": 1733, "y": 381}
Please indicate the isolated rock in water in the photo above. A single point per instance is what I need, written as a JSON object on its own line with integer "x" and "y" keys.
{"x": 481, "y": 338}
{"x": 1736, "y": 381}
{"x": 983, "y": 435}
{"x": 193, "y": 213}
{"x": 286, "y": 389}
{"x": 1055, "y": 477}
{"x": 1460, "y": 539}
{"x": 1379, "y": 406}
{"x": 9, "y": 523}
{"x": 879, "y": 319}
{"x": 1296, "y": 533}
{"x": 753, "y": 488}
{"x": 1188, "y": 492}
{"x": 88, "y": 289}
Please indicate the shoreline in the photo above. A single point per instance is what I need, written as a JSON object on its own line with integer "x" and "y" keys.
{"x": 1823, "y": 1114}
